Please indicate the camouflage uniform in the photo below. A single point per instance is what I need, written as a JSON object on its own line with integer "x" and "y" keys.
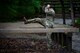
{"x": 46, "y": 22}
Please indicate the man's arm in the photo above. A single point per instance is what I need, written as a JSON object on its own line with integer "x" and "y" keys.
{"x": 52, "y": 11}
{"x": 49, "y": 11}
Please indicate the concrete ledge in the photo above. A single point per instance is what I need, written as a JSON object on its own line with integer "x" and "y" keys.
{"x": 39, "y": 30}
{"x": 20, "y": 27}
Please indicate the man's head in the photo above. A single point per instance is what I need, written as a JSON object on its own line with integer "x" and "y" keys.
{"x": 48, "y": 6}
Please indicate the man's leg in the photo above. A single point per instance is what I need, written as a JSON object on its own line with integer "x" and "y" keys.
{"x": 37, "y": 20}
{"x": 49, "y": 40}
{"x": 31, "y": 20}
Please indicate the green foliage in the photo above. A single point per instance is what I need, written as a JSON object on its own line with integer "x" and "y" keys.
{"x": 29, "y": 8}
{"x": 78, "y": 21}
{"x": 36, "y": 3}
{"x": 10, "y": 9}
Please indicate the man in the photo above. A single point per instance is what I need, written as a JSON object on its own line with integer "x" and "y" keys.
{"x": 50, "y": 13}
{"x": 46, "y": 22}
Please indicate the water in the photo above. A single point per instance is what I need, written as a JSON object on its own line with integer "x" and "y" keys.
{"x": 60, "y": 21}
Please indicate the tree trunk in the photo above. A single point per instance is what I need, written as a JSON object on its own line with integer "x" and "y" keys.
{"x": 72, "y": 12}
{"x": 63, "y": 11}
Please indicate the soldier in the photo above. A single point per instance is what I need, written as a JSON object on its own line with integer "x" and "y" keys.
{"x": 46, "y": 22}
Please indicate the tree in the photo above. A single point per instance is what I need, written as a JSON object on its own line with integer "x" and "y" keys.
{"x": 63, "y": 11}
{"x": 72, "y": 12}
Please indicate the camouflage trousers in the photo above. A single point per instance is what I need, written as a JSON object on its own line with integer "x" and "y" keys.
{"x": 47, "y": 23}
{"x": 43, "y": 21}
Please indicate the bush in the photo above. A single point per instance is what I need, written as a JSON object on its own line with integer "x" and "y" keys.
{"x": 78, "y": 21}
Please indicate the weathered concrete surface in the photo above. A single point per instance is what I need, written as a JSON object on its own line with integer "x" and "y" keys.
{"x": 76, "y": 41}
{"x": 20, "y": 27}
{"x": 21, "y": 30}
